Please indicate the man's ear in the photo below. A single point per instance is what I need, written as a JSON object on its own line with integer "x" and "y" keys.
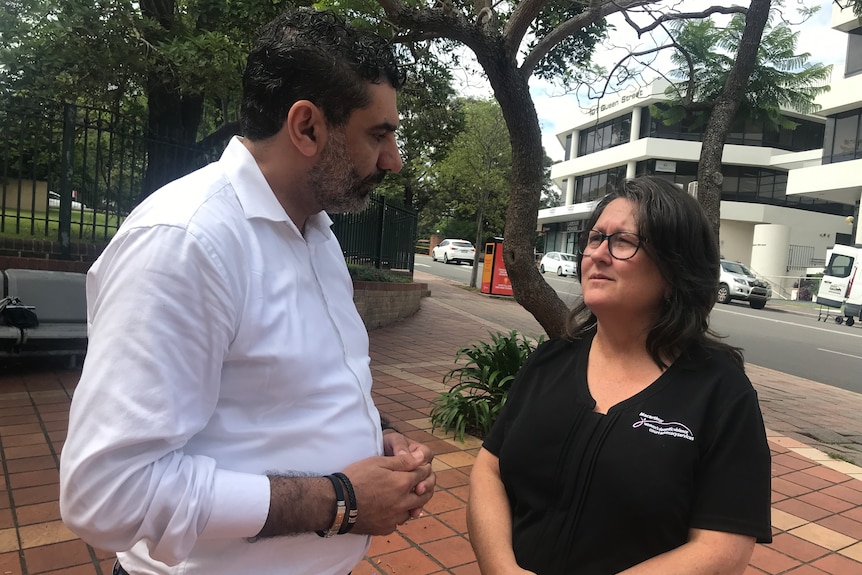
{"x": 306, "y": 127}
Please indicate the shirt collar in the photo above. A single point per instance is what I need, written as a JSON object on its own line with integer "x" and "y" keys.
{"x": 254, "y": 194}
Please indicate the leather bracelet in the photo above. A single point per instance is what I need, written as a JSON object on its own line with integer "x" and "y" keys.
{"x": 340, "y": 509}
{"x": 353, "y": 510}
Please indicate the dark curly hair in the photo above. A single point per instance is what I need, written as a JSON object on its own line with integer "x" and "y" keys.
{"x": 317, "y": 56}
{"x": 680, "y": 241}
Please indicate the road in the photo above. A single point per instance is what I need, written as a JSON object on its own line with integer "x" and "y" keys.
{"x": 781, "y": 337}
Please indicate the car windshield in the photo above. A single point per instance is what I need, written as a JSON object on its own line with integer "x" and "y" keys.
{"x": 463, "y": 244}
{"x": 734, "y": 268}
{"x": 567, "y": 257}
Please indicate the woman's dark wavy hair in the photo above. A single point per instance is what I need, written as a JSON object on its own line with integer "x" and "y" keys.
{"x": 317, "y": 56}
{"x": 680, "y": 241}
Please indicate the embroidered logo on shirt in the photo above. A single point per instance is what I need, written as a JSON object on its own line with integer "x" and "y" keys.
{"x": 659, "y": 426}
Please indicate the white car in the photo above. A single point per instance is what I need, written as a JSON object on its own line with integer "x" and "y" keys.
{"x": 560, "y": 262}
{"x": 454, "y": 251}
{"x": 738, "y": 282}
{"x": 54, "y": 201}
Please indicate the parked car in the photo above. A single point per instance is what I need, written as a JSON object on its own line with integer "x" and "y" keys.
{"x": 454, "y": 251}
{"x": 54, "y": 202}
{"x": 738, "y": 282}
{"x": 560, "y": 262}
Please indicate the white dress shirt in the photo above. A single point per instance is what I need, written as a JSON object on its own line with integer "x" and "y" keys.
{"x": 223, "y": 345}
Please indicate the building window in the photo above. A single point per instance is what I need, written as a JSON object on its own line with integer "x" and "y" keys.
{"x": 569, "y": 146}
{"x": 594, "y": 186}
{"x": 844, "y": 141}
{"x": 806, "y": 135}
{"x": 853, "y": 62}
{"x": 605, "y": 135}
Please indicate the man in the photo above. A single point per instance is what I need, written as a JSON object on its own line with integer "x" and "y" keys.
{"x": 225, "y": 400}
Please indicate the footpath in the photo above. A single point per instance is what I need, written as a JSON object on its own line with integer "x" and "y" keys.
{"x": 816, "y": 497}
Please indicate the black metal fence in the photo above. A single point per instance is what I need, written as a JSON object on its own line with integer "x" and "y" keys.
{"x": 72, "y": 174}
{"x": 383, "y": 235}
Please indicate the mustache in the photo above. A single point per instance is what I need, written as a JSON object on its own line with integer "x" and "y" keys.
{"x": 375, "y": 178}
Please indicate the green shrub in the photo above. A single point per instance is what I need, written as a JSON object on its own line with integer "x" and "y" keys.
{"x": 481, "y": 385}
{"x": 369, "y": 274}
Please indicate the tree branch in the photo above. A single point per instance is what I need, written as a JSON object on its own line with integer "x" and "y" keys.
{"x": 670, "y": 17}
{"x": 519, "y": 22}
{"x": 595, "y": 13}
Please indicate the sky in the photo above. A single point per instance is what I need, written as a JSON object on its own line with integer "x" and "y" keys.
{"x": 555, "y": 111}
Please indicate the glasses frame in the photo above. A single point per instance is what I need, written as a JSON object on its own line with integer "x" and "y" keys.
{"x": 607, "y": 237}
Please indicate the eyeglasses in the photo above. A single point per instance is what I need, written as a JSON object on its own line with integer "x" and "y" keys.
{"x": 621, "y": 245}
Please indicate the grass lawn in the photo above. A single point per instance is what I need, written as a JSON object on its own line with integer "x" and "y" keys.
{"x": 87, "y": 225}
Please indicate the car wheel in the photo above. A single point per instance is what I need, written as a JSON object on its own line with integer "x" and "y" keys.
{"x": 723, "y": 294}
{"x": 541, "y": 269}
{"x": 757, "y": 304}
{"x": 433, "y": 257}
{"x": 445, "y": 259}
{"x": 560, "y": 272}
{"x": 850, "y": 321}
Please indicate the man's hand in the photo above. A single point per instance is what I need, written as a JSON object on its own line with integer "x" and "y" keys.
{"x": 387, "y": 490}
{"x": 396, "y": 444}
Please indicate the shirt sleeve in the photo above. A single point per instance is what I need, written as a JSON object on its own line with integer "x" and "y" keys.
{"x": 733, "y": 491}
{"x": 162, "y": 310}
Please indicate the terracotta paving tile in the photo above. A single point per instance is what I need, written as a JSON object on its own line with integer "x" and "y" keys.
{"x": 440, "y": 447}
{"x": 28, "y": 451}
{"x": 364, "y": 568}
{"x": 806, "y": 570}
{"x": 425, "y": 529}
{"x": 749, "y": 570}
{"x": 57, "y": 556}
{"x": 807, "y": 479}
{"x": 38, "y": 513}
{"x": 383, "y": 544}
{"x": 771, "y": 561}
{"x": 844, "y": 525}
{"x": 443, "y": 502}
{"x": 18, "y": 419}
{"x": 33, "y": 478}
{"x": 452, "y": 478}
{"x": 469, "y": 569}
{"x": 457, "y": 459}
{"x": 846, "y": 492}
{"x": 792, "y": 461}
{"x": 412, "y": 561}
{"x": 77, "y": 570}
{"x": 8, "y": 540}
{"x": 838, "y": 565}
{"x": 20, "y": 429}
{"x": 823, "y": 536}
{"x": 39, "y": 494}
{"x": 24, "y": 439}
{"x": 854, "y": 514}
{"x": 456, "y": 519}
{"x": 802, "y": 509}
{"x": 824, "y": 501}
{"x": 44, "y": 534}
{"x": 461, "y": 492}
{"x": 4, "y": 500}
{"x": 785, "y": 521}
{"x": 797, "y": 548}
{"x": 451, "y": 552}
{"x": 31, "y": 464}
{"x": 6, "y": 520}
{"x": 10, "y": 564}
{"x": 853, "y": 552}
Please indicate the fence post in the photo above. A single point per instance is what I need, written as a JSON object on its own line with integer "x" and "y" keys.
{"x": 381, "y": 226}
{"x": 66, "y": 161}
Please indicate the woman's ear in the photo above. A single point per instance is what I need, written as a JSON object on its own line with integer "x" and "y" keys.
{"x": 306, "y": 127}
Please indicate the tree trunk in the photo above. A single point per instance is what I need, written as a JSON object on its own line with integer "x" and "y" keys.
{"x": 480, "y": 221}
{"x": 513, "y": 93}
{"x": 709, "y": 173}
{"x": 172, "y": 117}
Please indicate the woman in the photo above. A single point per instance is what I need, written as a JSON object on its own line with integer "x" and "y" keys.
{"x": 636, "y": 444}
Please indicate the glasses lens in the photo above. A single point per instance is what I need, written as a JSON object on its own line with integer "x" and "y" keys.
{"x": 623, "y": 245}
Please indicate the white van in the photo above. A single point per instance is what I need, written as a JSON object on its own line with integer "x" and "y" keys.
{"x": 842, "y": 282}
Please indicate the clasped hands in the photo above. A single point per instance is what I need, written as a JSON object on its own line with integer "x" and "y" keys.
{"x": 392, "y": 488}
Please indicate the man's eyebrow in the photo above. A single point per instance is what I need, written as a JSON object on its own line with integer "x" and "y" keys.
{"x": 385, "y": 126}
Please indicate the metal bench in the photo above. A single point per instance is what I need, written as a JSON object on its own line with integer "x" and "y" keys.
{"x": 60, "y": 302}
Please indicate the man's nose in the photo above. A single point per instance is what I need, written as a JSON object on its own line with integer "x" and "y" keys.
{"x": 390, "y": 159}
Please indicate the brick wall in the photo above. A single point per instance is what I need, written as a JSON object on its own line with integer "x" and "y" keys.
{"x": 40, "y": 254}
{"x": 382, "y": 303}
